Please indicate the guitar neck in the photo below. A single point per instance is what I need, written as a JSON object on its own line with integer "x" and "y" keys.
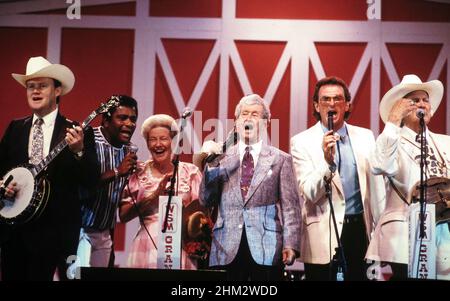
{"x": 60, "y": 147}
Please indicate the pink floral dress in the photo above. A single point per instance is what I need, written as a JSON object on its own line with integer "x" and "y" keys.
{"x": 142, "y": 183}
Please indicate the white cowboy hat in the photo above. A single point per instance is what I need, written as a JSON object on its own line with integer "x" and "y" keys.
{"x": 194, "y": 224}
{"x": 410, "y": 83}
{"x": 40, "y": 67}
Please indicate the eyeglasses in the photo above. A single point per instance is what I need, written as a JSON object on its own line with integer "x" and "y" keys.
{"x": 328, "y": 99}
{"x": 38, "y": 86}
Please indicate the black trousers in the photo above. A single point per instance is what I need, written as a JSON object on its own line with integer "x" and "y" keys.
{"x": 354, "y": 241}
{"x": 244, "y": 268}
{"x": 20, "y": 263}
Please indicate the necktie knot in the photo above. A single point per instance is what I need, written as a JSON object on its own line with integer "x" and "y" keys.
{"x": 38, "y": 122}
{"x": 339, "y": 137}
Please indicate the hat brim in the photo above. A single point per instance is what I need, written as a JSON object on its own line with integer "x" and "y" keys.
{"x": 197, "y": 160}
{"x": 194, "y": 224}
{"x": 55, "y": 71}
{"x": 434, "y": 88}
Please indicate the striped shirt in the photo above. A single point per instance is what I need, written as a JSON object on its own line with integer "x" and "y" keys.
{"x": 99, "y": 209}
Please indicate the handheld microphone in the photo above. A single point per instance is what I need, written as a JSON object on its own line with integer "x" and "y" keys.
{"x": 4, "y": 185}
{"x": 231, "y": 140}
{"x": 420, "y": 113}
{"x": 331, "y": 128}
{"x": 133, "y": 148}
{"x": 330, "y": 120}
{"x": 187, "y": 112}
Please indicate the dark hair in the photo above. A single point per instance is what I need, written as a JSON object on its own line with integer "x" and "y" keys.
{"x": 57, "y": 84}
{"x": 125, "y": 101}
{"x": 331, "y": 80}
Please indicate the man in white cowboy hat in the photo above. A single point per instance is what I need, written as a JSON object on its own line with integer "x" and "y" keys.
{"x": 397, "y": 157}
{"x": 32, "y": 251}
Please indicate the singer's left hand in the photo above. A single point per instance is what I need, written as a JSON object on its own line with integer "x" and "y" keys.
{"x": 127, "y": 165}
{"x": 288, "y": 256}
{"x": 211, "y": 147}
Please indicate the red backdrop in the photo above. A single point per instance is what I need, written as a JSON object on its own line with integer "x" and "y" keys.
{"x": 102, "y": 47}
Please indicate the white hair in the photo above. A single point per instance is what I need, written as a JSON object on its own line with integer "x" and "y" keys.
{"x": 252, "y": 99}
{"x": 159, "y": 120}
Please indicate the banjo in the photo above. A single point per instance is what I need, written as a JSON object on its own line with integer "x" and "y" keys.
{"x": 33, "y": 187}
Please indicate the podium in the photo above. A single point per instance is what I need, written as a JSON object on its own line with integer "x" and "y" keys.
{"x": 132, "y": 274}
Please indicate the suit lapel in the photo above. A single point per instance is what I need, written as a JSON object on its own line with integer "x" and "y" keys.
{"x": 234, "y": 180}
{"x": 58, "y": 131}
{"x": 265, "y": 160}
{"x": 409, "y": 145}
{"x": 25, "y": 139}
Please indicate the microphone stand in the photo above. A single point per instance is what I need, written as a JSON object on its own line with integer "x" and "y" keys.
{"x": 339, "y": 257}
{"x": 175, "y": 162}
{"x": 423, "y": 185}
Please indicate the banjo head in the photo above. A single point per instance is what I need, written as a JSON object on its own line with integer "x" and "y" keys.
{"x": 25, "y": 183}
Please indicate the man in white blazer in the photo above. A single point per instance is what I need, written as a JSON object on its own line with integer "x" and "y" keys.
{"x": 357, "y": 195}
{"x": 397, "y": 157}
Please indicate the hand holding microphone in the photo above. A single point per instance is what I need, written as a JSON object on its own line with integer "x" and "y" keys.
{"x": 214, "y": 149}
{"x": 128, "y": 164}
{"x": 187, "y": 113}
{"x": 329, "y": 140}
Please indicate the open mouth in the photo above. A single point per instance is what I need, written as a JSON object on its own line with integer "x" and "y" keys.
{"x": 36, "y": 98}
{"x": 332, "y": 113}
{"x": 159, "y": 151}
{"x": 248, "y": 126}
{"x": 126, "y": 133}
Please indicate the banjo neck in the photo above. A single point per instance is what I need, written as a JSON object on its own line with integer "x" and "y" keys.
{"x": 41, "y": 166}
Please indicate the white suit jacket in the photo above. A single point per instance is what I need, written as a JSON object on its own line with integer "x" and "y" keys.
{"x": 394, "y": 158}
{"x": 310, "y": 169}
